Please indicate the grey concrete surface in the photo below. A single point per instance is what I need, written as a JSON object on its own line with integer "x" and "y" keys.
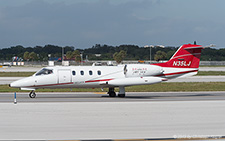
{"x": 211, "y": 68}
{"x": 8, "y": 80}
{"x": 76, "y": 116}
{"x": 111, "y": 120}
{"x": 20, "y": 69}
{"x": 103, "y": 97}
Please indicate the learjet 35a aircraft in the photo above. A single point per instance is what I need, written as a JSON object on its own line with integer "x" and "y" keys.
{"x": 185, "y": 62}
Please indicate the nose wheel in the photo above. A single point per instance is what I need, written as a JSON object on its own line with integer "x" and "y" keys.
{"x": 32, "y": 94}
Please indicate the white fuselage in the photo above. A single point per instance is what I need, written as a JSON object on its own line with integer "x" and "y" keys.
{"x": 100, "y": 76}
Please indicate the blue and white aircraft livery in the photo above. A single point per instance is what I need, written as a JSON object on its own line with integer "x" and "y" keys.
{"x": 185, "y": 62}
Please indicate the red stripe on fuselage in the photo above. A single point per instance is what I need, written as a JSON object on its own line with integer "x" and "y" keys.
{"x": 50, "y": 85}
{"x": 98, "y": 80}
{"x": 68, "y": 83}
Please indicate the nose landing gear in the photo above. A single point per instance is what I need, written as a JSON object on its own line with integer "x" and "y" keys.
{"x": 32, "y": 94}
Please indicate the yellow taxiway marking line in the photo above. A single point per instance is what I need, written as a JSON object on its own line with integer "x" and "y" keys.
{"x": 129, "y": 140}
{"x": 99, "y": 92}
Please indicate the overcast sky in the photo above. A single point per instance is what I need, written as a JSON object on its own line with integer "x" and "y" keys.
{"x": 84, "y": 23}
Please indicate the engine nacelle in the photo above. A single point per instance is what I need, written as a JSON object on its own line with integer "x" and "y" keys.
{"x": 135, "y": 81}
{"x": 136, "y": 70}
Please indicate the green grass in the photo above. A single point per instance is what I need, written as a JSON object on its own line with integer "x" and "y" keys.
{"x": 211, "y": 66}
{"x": 211, "y": 73}
{"x": 16, "y": 74}
{"x": 182, "y": 86}
{"x": 26, "y": 74}
{"x": 161, "y": 87}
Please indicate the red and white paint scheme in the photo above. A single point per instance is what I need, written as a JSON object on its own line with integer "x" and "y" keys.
{"x": 185, "y": 62}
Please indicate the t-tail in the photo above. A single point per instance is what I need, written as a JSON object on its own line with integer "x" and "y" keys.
{"x": 185, "y": 62}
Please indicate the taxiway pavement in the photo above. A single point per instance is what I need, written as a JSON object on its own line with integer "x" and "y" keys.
{"x": 211, "y": 68}
{"x": 103, "y": 97}
{"x": 20, "y": 69}
{"x": 67, "y": 116}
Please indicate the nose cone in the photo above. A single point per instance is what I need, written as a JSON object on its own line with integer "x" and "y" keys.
{"x": 15, "y": 84}
{"x": 22, "y": 83}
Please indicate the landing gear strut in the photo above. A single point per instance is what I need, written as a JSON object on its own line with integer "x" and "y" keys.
{"x": 32, "y": 94}
{"x": 111, "y": 92}
{"x": 121, "y": 92}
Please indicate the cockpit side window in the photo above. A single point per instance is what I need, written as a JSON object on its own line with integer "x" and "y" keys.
{"x": 44, "y": 72}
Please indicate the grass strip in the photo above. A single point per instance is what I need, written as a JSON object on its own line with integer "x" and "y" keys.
{"x": 26, "y": 74}
{"x": 204, "y": 73}
{"x": 179, "y": 86}
{"x": 16, "y": 74}
{"x": 211, "y": 66}
{"x": 160, "y": 87}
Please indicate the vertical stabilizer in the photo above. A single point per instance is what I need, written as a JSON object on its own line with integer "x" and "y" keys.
{"x": 187, "y": 56}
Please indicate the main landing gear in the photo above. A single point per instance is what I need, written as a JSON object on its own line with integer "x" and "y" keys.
{"x": 120, "y": 94}
{"x": 111, "y": 92}
{"x": 32, "y": 94}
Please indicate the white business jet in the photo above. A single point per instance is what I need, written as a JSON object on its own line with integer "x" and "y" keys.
{"x": 185, "y": 62}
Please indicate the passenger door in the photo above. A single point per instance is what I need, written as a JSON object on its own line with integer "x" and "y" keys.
{"x": 64, "y": 76}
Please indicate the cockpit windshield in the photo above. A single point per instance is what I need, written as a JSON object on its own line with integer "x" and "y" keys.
{"x": 44, "y": 71}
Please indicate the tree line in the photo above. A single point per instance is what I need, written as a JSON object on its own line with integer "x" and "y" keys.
{"x": 105, "y": 52}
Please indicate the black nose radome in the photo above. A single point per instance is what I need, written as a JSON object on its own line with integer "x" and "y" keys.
{"x": 9, "y": 85}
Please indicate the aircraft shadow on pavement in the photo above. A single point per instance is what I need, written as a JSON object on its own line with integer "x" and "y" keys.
{"x": 74, "y": 96}
{"x": 161, "y": 96}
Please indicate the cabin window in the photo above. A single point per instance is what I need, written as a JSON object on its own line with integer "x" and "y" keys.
{"x": 73, "y": 72}
{"x": 82, "y": 72}
{"x": 99, "y": 72}
{"x": 44, "y": 72}
{"x": 90, "y": 72}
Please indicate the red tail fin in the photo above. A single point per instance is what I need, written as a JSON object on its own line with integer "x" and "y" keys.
{"x": 187, "y": 56}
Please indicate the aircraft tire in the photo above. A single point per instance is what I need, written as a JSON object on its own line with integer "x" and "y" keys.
{"x": 121, "y": 95}
{"x": 112, "y": 94}
{"x": 32, "y": 94}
